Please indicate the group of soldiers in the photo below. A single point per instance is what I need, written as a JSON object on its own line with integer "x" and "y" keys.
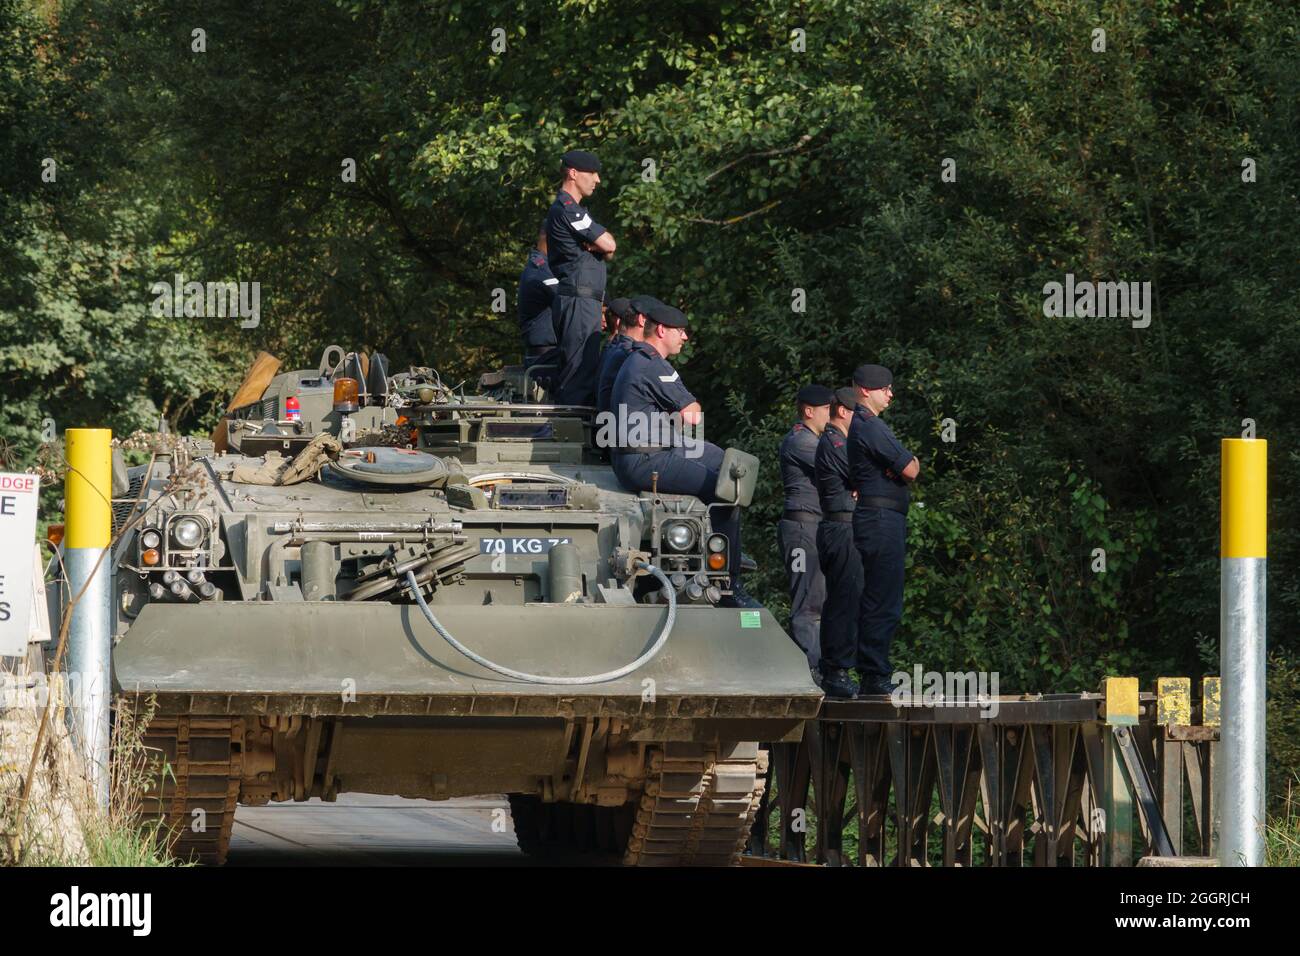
{"x": 563, "y": 313}
{"x": 843, "y": 530}
{"x": 846, "y": 476}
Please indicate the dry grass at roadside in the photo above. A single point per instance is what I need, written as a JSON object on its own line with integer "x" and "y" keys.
{"x": 64, "y": 825}
{"x": 1282, "y": 834}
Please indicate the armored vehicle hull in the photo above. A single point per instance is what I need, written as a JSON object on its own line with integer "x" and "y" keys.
{"x": 295, "y": 660}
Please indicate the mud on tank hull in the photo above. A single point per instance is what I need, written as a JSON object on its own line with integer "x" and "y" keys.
{"x": 260, "y": 702}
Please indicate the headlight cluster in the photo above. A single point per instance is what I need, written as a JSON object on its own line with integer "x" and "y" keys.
{"x": 181, "y": 533}
{"x": 683, "y": 537}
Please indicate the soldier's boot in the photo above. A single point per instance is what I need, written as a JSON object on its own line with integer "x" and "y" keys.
{"x": 873, "y": 686}
{"x": 838, "y": 683}
{"x": 740, "y": 598}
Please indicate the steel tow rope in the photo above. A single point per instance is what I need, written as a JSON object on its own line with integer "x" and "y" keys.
{"x": 654, "y": 649}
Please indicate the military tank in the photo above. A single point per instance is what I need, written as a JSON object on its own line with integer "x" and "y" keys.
{"x": 379, "y": 583}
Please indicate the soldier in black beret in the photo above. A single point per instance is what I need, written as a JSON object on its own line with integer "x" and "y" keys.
{"x": 880, "y": 469}
{"x": 536, "y": 295}
{"x": 578, "y": 248}
{"x": 647, "y": 388}
{"x": 629, "y": 315}
{"x": 840, "y": 560}
{"x": 796, "y": 532}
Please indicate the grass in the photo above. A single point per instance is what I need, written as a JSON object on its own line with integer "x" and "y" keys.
{"x": 1282, "y": 833}
{"x": 63, "y": 824}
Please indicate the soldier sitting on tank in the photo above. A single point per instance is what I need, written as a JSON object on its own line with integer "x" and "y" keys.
{"x": 649, "y": 394}
{"x": 630, "y": 322}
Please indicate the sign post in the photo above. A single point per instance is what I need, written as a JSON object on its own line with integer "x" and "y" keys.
{"x": 19, "y": 494}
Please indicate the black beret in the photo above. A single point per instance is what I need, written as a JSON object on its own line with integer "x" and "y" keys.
{"x": 667, "y": 315}
{"x": 646, "y": 304}
{"x": 581, "y": 160}
{"x": 621, "y": 307}
{"x": 872, "y": 376}
{"x": 814, "y": 395}
{"x": 846, "y": 396}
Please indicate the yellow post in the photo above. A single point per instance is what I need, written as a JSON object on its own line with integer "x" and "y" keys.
{"x": 1244, "y": 504}
{"x": 1243, "y": 554}
{"x": 89, "y": 511}
{"x": 89, "y": 519}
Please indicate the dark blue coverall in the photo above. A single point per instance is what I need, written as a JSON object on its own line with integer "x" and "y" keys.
{"x": 840, "y": 560}
{"x": 536, "y": 326}
{"x": 880, "y": 533}
{"x": 796, "y": 536}
{"x": 578, "y": 296}
{"x": 647, "y": 384}
{"x": 611, "y": 362}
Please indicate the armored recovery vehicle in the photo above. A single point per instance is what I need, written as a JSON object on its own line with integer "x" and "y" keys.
{"x": 377, "y": 583}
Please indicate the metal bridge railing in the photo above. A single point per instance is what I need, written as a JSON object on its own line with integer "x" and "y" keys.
{"x": 1051, "y": 780}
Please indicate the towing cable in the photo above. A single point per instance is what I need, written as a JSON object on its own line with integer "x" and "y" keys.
{"x": 654, "y": 649}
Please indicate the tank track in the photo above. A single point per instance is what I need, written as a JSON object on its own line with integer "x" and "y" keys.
{"x": 556, "y": 831}
{"x": 698, "y": 806}
{"x": 195, "y": 763}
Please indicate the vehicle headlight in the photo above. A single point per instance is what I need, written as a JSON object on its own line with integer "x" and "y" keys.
{"x": 187, "y": 532}
{"x": 679, "y": 535}
{"x": 718, "y": 543}
{"x": 150, "y": 538}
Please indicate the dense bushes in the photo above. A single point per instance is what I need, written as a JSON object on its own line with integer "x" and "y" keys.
{"x": 747, "y": 169}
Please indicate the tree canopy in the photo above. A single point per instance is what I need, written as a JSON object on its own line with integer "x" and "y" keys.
{"x": 817, "y": 185}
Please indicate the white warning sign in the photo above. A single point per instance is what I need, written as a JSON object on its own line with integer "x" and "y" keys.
{"x": 19, "y": 494}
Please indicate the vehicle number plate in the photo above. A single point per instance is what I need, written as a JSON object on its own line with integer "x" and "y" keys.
{"x": 519, "y": 545}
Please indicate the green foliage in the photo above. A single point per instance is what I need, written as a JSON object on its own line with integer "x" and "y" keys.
{"x": 774, "y": 170}
{"x": 1283, "y": 733}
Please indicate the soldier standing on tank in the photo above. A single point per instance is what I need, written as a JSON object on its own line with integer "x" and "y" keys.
{"x": 880, "y": 469}
{"x": 649, "y": 388}
{"x": 579, "y": 247}
{"x": 536, "y": 295}
{"x": 796, "y": 532}
{"x": 839, "y": 557}
{"x": 629, "y": 318}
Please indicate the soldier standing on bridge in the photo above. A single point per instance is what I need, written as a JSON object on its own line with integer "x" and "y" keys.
{"x": 880, "y": 470}
{"x": 796, "y": 533}
{"x": 579, "y": 247}
{"x": 839, "y": 557}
